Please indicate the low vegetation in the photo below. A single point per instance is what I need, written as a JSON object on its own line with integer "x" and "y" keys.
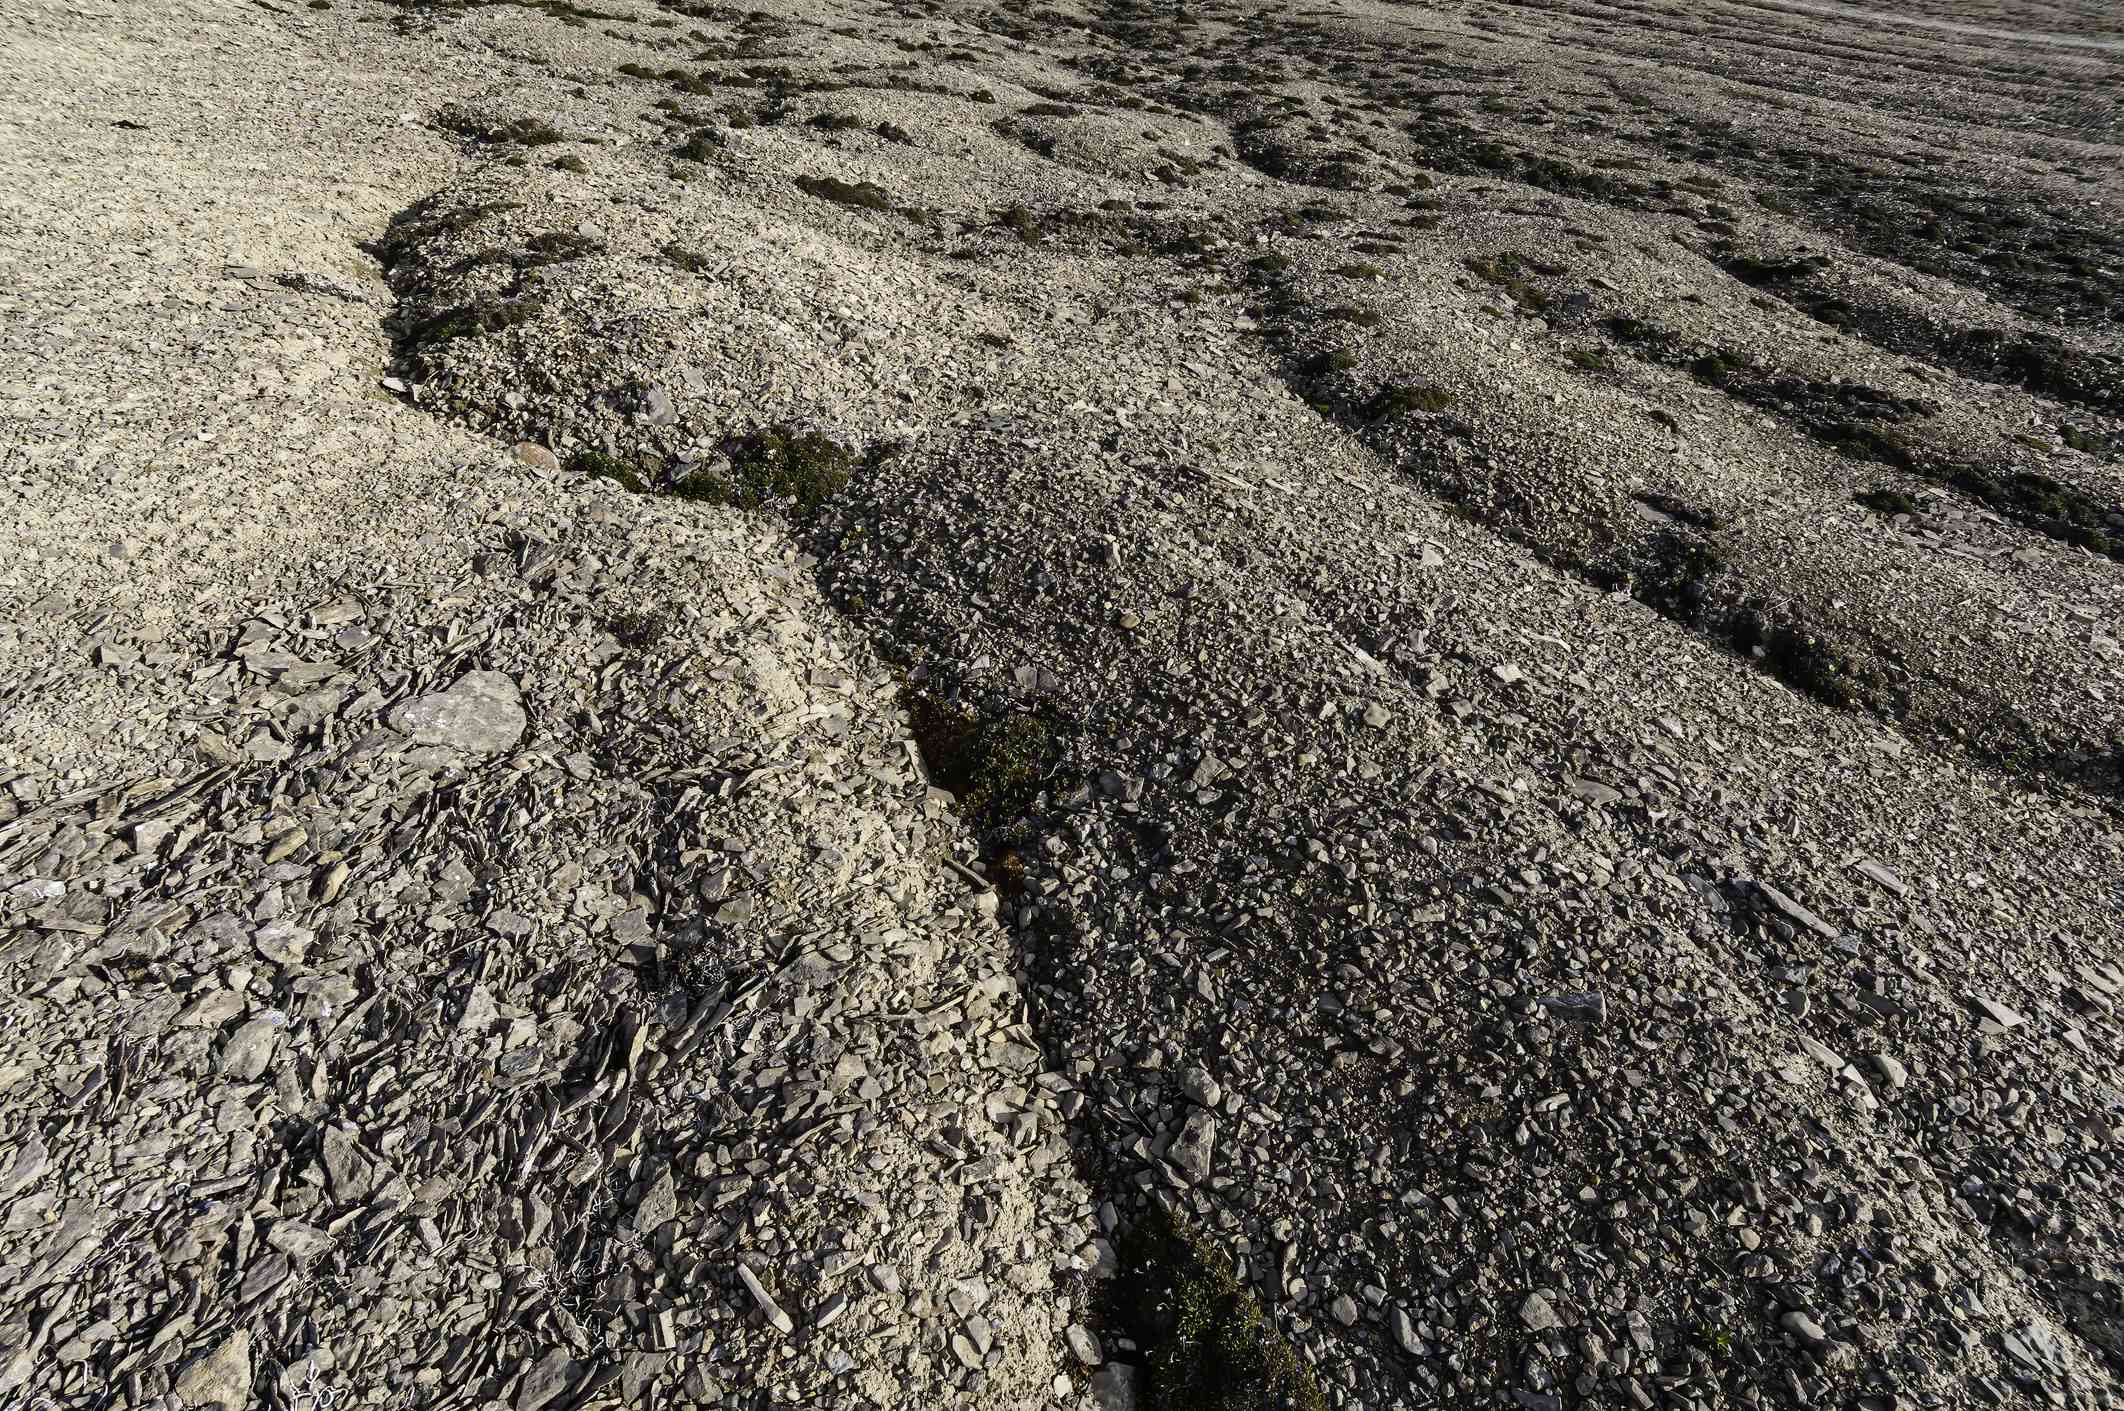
{"x": 1210, "y": 1345}
{"x": 776, "y": 466}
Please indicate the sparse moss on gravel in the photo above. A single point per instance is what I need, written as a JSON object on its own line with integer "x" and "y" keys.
{"x": 601, "y": 466}
{"x": 866, "y": 194}
{"x": 1208, "y": 1344}
{"x": 1401, "y": 398}
{"x": 777, "y": 465}
{"x": 992, "y": 766}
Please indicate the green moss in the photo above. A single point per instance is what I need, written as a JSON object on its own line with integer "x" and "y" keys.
{"x": 992, "y": 767}
{"x": 2090, "y": 441}
{"x": 1351, "y": 313}
{"x": 1401, "y": 398}
{"x": 572, "y": 163}
{"x": 893, "y": 132}
{"x": 691, "y": 261}
{"x": 1507, "y": 270}
{"x": 1358, "y": 269}
{"x": 836, "y": 122}
{"x": 1588, "y": 359}
{"x": 1677, "y": 575}
{"x": 701, "y": 145}
{"x": 1718, "y": 367}
{"x": 866, "y": 194}
{"x": 1812, "y": 662}
{"x": 529, "y": 132}
{"x": 554, "y": 247}
{"x": 600, "y": 466}
{"x": 1762, "y": 273}
{"x": 471, "y": 321}
{"x": 1271, "y": 263}
{"x": 776, "y": 465}
{"x": 422, "y": 225}
{"x": 1210, "y": 1346}
{"x": 1024, "y": 224}
{"x": 1655, "y": 342}
{"x": 1888, "y": 502}
{"x": 1328, "y": 360}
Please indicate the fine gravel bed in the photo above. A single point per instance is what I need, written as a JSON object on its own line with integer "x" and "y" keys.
{"x": 1091, "y": 706}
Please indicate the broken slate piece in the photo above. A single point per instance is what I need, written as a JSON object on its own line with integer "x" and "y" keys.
{"x": 545, "y": 1381}
{"x": 1538, "y": 1315}
{"x": 1997, "y": 1013}
{"x": 298, "y": 1240}
{"x": 220, "y": 1378}
{"x": 30, "y": 1162}
{"x": 245, "y": 1056}
{"x": 1191, "y": 1150}
{"x": 1867, "y": 867}
{"x": 782, "y": 1321}
{"x": 482, "y": 713}
{"x": 1589, "y": 1007}
{"x": 1794, "y": 911}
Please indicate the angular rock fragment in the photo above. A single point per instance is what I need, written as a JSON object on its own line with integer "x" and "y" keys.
{"x": 220, "y": 1378}
{"x": 481, "y": 713}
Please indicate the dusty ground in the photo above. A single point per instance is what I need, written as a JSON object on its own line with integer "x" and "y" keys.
{"x": 695, "y": 702}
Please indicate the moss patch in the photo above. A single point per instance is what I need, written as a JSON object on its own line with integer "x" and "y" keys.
{"x": 690, "y": 260}
{"x": 1888, "y": 502}
{"x": 471, "y": 321}
{"x": 866, "y": 194}
{"x": 599, "y": 466}
{"x": 1210, "y": 1347}
{"x": 1402, "y": 398}
{"x": 992, "y": 767}
{"x": 775, "y": 466}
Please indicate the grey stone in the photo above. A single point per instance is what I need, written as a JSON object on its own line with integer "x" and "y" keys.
{"x": 481, "y": 713}
{"x": 658, "y": 1204}
{"x": 31, "y": 1160}
{"x": 298, "y": 1240}
{"x": 480, "y": 1012}
{"x": 249, "y": 1050}
{"x": 781, "y": 1321}
{"x": 351, "y": 1174}
{"x": 1537, "y": 1313}
{"x": 1998, "y": 1013}
{"x": 547, "y": 1379}
{"x": 1194, "y": 1149}
{"x": 220, "y": 1378}
{"x": 1585, "y": 1008}
{"x": 1404, "y": 1332}
{"x": 536, "y": 456}
{"x": 1796, "y": 912}
{"x": 1802, "y": 1325}
{"x": 1196, "y": 1082}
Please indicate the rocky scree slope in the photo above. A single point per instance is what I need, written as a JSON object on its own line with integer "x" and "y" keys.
{"x": 471, "y": 935}
{"x": 1526, "y": 614}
